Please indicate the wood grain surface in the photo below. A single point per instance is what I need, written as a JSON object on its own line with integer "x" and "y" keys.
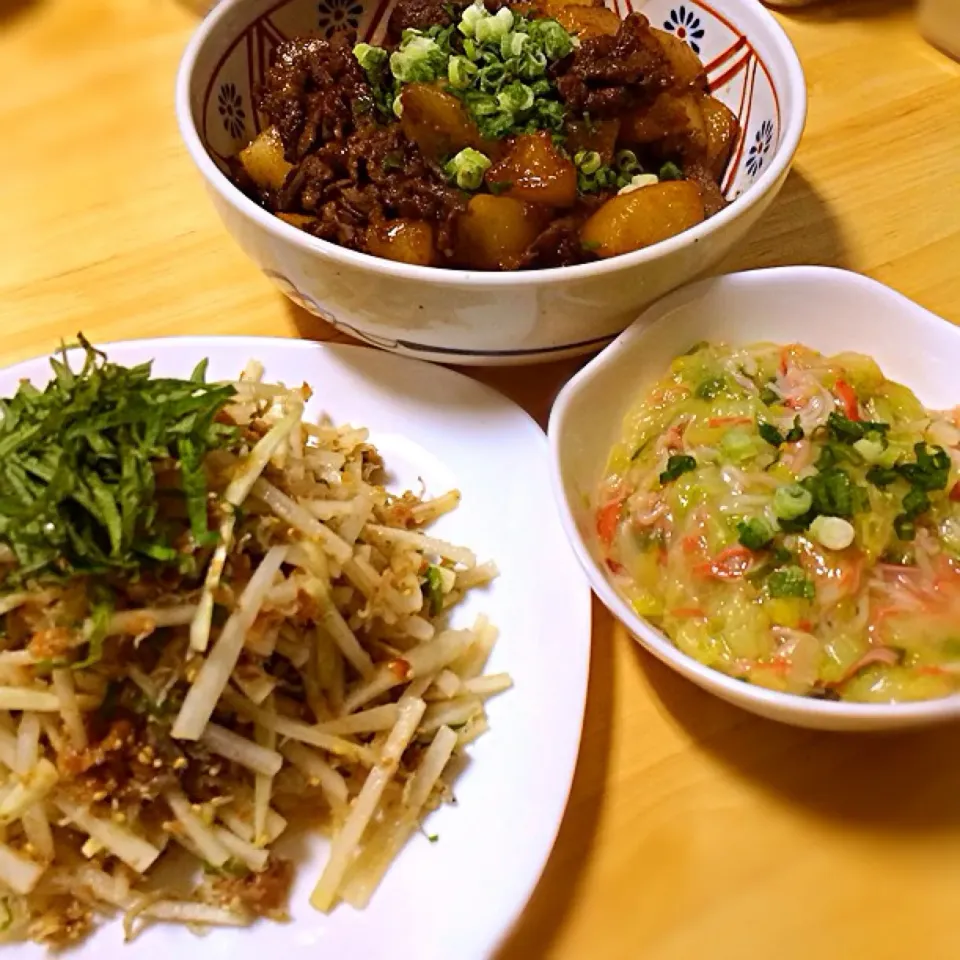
{"x": 694, "y": 831}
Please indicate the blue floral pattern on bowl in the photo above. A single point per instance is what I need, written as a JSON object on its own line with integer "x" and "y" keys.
{"x": 762, "y": 141}
{"x": 685, "y": 25}
{"x": 230, "y": 105}
{"x": 336, "y": 15}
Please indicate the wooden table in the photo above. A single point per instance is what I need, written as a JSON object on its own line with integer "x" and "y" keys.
{"x": 693, "y": 830}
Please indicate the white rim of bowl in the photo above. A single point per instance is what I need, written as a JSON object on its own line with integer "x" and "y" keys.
{"x": 659, "y": 643}
{"x": 446, "y": 276}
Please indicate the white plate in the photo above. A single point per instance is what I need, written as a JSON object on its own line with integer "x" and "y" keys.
{"x": 829, "y": 310}
{"x": 457, "y": 898}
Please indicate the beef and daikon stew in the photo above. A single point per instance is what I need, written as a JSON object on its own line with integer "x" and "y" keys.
{"x": 541, "y": 134}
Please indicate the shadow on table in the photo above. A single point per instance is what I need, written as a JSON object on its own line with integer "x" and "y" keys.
{"x": 533, "y": 388}
{"x": 830, "y": 11}
{"x": 891, "y": 782}
{"x": 799, "y": 228}
{"x": 11, "y": 9}
{"x": 310, "y": 327}
{"x": 543, "y": 920}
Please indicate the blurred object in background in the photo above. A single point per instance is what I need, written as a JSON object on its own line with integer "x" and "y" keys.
{"x": 202, "y": 7}
{"x": 786, "y": 4}
{"x": 940, "y": 24}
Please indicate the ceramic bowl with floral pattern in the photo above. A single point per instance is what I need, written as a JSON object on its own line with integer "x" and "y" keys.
{"x": 473, "y": 317}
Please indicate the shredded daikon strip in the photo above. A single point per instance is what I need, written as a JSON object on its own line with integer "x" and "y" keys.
{"x": 30, "y": 789}
{"x": 473, "y": 729}
{"x": 447, "y": 684}
{"x": 369, "y": 721}
{"x": 430, "y": 510}
{"x": 344, "y": 844}
{"x": 328, "y": 509}
{"x": 367, "y": 877}
{"x": 9, "y": 749}
{"x": 243, "y": 826}
{"x": 263, "y": 640}
{"x": 36, "y": 827}
{"x": 28, "y": 743}
{"x": 51, "y": 731}
{"x": 419, "y": 541}
{"x": 489, "y": 685}
{"x": 176, "y": 911}
{"x": 17, "y": 658}
{"x": 450, "y": 713}
{"x": 297, "y": 730}
{"x": 255, "y": 858}
{"x": 214, "y": 675}
{"x": 315, "y": 768}
{"x": 419, "y": 629}
{"x": 17, "y": 698}
{"x": 289, "y": 510}
{"x": 297, "y": 653}
{"x": 478, "y": 576}
{"x": 234, "y": 496}
{"x": 351, "y": 525}
{"x": 362, "y": 575}
{"x": 263, "y": 782}
{"x": 344, "y": 638}
{"x": 13, "y": 600}
{"x": 472, "y": 663}
{"x": 179, "y": 911}
{"x": 309, "y": 556}
{"x": 125, "y": 845}
{"x": 256, "y": 686}
{"x": 202, "y": 836}
{"x": 136, "y": 622}
{"x": 91, "y": 848}
{"x": 248, "y": 754}
{"x": 19, "y": 873}
{"x": 103, "y": 887}
{"x": 251, "y": 373}
{"x": 429, "y": 657}
{"x": 70, "y": 711}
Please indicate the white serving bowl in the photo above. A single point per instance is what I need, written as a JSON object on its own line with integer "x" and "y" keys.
{"x": 472, "y": 317}
{"x": 829, "y": 310}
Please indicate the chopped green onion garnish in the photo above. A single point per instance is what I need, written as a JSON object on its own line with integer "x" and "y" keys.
{"x": 791, "y": 501}
{"x": 467, "y": 168}
{"x": 495, "y": 27}
{"x": 460, "y": 72}
{"x": 515, "y": 97}
{"x": 834, "y": 533}
{"x": 372, "y": 59}
{"x": 588, "y": 161}
{"x": 754, "y": 534}
{"x": 419, "y": 60}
